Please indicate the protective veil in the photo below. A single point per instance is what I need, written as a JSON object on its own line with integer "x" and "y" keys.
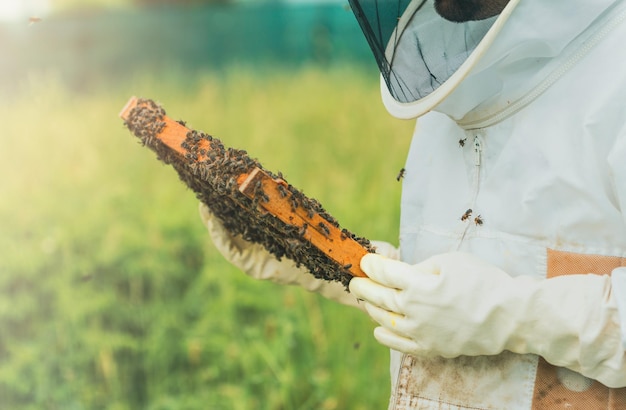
{"x": 422, "y": 57}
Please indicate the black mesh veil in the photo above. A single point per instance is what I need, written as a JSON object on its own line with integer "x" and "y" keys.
{"x": 416, "y": 49}
{"x": 378, "y": 20}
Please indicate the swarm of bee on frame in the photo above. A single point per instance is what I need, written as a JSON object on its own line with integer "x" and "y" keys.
{"x": 212, "y": 174}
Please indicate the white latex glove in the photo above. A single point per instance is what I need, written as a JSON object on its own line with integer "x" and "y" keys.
{"x": 255, "y": 261}
{"x": 455, "y": 304}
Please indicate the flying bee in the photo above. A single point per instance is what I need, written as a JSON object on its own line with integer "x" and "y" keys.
{"x": 33, "y": 20}
{"x": 401, "y": 174}
{"x": 466, "y": 215}
{"x": 478, "y": 220}
{"x": 462, "y": 142}
{"x": 86, "y": 277}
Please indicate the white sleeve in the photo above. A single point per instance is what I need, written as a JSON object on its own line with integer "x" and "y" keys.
{"x": 618, "y": 279}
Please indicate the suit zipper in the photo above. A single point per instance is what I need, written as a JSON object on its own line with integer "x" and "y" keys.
{"x": 478, "y": 153}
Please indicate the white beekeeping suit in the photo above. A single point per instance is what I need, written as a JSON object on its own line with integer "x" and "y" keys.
{"x": 513, "y": 207}
{"x": 508, "y": 291}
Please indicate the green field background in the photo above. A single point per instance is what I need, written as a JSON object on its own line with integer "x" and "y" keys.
{"x": 111, "y": 293}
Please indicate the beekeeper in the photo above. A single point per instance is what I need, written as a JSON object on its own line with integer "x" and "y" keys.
{"x": 508, "y": 290}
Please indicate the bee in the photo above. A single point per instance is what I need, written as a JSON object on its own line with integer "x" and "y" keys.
{"x": 466, "y": 215}
{"x": 230, "y": 184}
{"x": 86, "y": 277}
{"x": 292, "y": 244}
{"x": 478, "y": 220}
{"x": 258, "y": 187}
{"x": 347, "y": 266}
{"x": 462, "y": 142}
{"x": 302, "y": 230}
{"x": 294, "y": 203}
{"x": 32, "y": 20}
{"x": 401, "y": 174}
{"x": 282, "y": 190}
{"x": 259, "y": 194}
{"x": 324, "y": 228}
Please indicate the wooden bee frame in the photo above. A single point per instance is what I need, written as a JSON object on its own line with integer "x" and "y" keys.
{"x": 264, "y": 195}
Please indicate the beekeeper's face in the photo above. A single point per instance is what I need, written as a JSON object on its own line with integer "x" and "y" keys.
{"x": 466, "y": 10}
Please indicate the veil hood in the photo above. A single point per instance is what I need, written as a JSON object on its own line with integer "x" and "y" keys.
{"x": 424, "y": 59}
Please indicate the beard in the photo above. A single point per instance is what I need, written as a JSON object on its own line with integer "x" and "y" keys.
{"x": 466, "y": 10}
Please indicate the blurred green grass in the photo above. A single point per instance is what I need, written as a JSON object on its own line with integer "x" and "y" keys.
{"x": 111, "y": 294}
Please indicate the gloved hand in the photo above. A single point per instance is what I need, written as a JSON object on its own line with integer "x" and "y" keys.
{"x": 254, "y": 260}
{"x": 455, "y": 304}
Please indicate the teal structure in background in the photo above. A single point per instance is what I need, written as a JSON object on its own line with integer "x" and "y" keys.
{"x": 91, "y": 47}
